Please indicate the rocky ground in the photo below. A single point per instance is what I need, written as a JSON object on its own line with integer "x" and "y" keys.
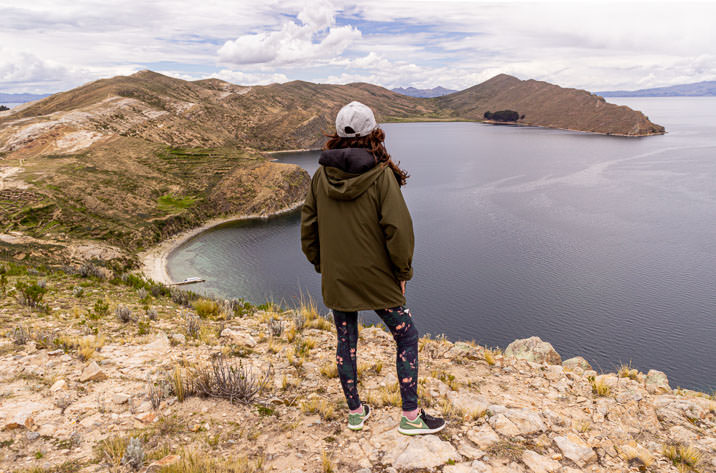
{"x": 103, "y": 375}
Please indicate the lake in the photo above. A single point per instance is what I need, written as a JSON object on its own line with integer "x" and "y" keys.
{"x": 603, "y": 246}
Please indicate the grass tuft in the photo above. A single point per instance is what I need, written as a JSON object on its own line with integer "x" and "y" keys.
{"x": 685, "y": 458}
{"x": 599, "y": 387}
{"x": 329, "y": 370}
{"x": 207, "y": 308}
{"x": 322, "y": 407}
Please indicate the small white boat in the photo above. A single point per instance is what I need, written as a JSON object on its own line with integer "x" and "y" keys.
{"x": 192, "y": 280}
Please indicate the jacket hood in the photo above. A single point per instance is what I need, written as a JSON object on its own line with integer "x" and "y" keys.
{"x": 344, "y": 185}
{"x": 353, "y": 160}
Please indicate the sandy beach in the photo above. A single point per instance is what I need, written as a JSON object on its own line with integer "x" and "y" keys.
{"x": 154, "y": 260}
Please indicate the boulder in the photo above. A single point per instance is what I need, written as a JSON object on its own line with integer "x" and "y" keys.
{"x": 468, "y": 451}
{"x": 179, "y": 339}
{"x": 576, "y": 449}
{"x": 539, "y": 463}
{"x": 577, "y": 362}
{"x": 483, "y": 437}
{"x": 468, "y": 402}
{"x": 238, "y": 337}
{"x": 92, "y": 373}
{"x": 533, "y": 349}
{"x": 421, "y": 452}
{"x": 657, "y": 382}
{"x": 120, "y": 398}
{"x": 526, "y": 421}
{"x": 503, "y": 425}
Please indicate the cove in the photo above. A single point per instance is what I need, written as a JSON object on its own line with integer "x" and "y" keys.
{"x": 603, "y": 246}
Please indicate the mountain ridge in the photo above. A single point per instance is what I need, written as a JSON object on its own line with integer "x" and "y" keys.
{"x": 131, "y": 160}
{"x": 424, "y": 93}
{"x": 694, "y": 89}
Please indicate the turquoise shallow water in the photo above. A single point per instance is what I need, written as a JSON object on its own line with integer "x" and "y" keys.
{"x": 604, "y": 246}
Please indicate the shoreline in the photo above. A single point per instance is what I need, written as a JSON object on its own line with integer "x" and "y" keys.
{"x": 289, "y": 151}
{"x": 154, "y": 260}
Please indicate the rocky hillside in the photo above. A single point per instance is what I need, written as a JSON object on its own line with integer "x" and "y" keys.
{"x": 204, "y": 113}
{"x": 103, "y": 373}
{"x": 128, "y": 161}
{"x": 548, "y": 105}
{"x": 214, "y": 113}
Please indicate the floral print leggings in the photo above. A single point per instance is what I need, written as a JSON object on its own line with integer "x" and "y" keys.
{"x": 400, "y": 323}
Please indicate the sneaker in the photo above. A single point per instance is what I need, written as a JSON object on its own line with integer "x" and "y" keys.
{"x": 423, "y": 424}
{"x": 355, "y": 421}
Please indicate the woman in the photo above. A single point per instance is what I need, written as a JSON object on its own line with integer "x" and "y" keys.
{"x": 357, "y": 232}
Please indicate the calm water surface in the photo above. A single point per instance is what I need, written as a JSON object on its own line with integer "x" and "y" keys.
{"x": 603, "y": 246}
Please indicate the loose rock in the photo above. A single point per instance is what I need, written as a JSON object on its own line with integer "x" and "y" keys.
{"x": 533, "y": 349}
{"x": 238, "y": 337}
{"x": 538, "y": 463}
{"x": 576, "y": 449}
{"x": 657, "y": 382}
{"x": 92, "y": 373}
{"x": 577, "y": 362}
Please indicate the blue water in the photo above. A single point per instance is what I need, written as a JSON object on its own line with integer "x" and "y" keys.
{"x": 603, "y": 246}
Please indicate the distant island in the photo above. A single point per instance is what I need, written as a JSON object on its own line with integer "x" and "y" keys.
{"x": 503, "y": 116}
{"x": 696, "y": 89}
{"x": 424, "y": 93}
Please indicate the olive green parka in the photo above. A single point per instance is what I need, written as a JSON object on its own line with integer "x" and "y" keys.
{"x": 357, "y": 231}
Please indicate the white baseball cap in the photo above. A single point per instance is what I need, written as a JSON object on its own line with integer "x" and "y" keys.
{"x": 355, "y": 120}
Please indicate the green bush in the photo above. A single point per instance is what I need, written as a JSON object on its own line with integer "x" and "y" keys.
{"x": 134, "y": 281}
{"x": 31, "y": 294}
{"x": 101, "y": 308}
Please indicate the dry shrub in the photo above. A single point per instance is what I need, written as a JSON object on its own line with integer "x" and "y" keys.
{"x": 235, "y": 383}
{"x": 207, "y": 308}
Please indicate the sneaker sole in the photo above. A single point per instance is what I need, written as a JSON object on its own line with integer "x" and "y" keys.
{"x": 360, "y": 426}
{"x": 420, "y": 431}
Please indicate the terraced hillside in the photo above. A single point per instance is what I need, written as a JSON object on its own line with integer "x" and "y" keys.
{"x": 132, "y": 159}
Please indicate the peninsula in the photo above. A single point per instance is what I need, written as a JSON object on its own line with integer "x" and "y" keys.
{"x": 102, "y": 369}
{"x": 118, "y": 165}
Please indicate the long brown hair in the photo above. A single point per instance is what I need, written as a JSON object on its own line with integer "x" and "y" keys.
{"x": 374, "y": 144}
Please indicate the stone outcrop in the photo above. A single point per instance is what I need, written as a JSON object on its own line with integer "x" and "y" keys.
{"x": 657, "y": 382}
{"x": 533, "y": 349}
{"x": 516, "y": 415}
{"x": 577, "y": 362}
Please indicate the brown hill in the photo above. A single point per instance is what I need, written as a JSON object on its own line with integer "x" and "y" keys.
{"x": 548, "y": 105}
{"x": 214, "y": 113}
{"x": 130, "y": 160}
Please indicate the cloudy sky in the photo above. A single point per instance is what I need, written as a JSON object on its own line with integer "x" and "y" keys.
{"x": 53, "y": 45}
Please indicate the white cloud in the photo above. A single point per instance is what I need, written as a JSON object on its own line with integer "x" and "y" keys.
{"x": 58, "y": 44}
{"x": 293, "y": 43}
{"x": 21, "y": 71}
{"x": 244, "y": 78}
